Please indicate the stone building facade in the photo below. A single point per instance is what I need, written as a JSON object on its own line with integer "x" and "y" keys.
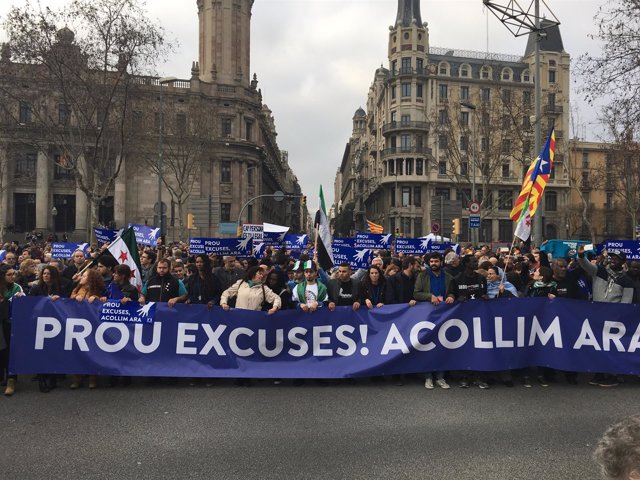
{"x": 217, "y": 117}
{"x": 442, "y": 123}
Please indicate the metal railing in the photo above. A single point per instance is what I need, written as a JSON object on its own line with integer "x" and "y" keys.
{"x": 405, "y": 126}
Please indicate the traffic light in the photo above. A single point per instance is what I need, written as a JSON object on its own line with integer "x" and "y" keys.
{"x": 190, "y": 221}
{"x": 397, "y": 231}
{"x": 455, "y": 226}
{"x": 304, "y": 200}
{"x": 239, "y": 231}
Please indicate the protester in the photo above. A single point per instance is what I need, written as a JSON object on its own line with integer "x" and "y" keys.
{"x": 228, "y": 274}
{"x": 163, "y": 287}
{"x": 373, "y": 289}
{"x": 251, "y": 293}
{"x": 618, "y": 451}
{"x": 8, "y": 290}
{"x": 400, "y": 287}
{"x": 203, "y": 287}
{"x": 343, "y": 291}
{"x": 310, "y": 294}
{"x": 497, "y": 287}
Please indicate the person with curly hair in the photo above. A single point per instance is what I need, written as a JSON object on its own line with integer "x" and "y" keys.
{"x": 618, "y": 451}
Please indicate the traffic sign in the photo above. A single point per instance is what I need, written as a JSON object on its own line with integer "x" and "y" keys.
{"x": 474, "y": 208}
{"x": 435, "y": 227}
{"x": 474, "y": 221}
{"x": 157, "y": 206}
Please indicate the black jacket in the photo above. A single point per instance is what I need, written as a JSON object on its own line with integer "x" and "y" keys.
{"x": 161, "y": 289}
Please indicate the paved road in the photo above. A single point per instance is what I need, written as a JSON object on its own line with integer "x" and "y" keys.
{"x": 365, "y": 431}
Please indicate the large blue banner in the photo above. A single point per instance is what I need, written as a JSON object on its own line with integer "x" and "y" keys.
{"x": 66, "y": 336}
{"x": 237, "y": 247}
{"x": 296, "y": 241}
{"x": 412, "y": 246}
{"x": 631, "y": 248}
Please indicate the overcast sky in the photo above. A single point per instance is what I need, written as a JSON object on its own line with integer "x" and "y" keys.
{"x": 315, "y": 61}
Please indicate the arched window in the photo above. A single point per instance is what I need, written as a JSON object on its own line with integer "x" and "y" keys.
{"x": 485, "y": 72}
{"x": 526, "y": 76}
{"x": 465, "y": 70}
{"x": 507, "y": 74}
{"x": 443, "y": 68}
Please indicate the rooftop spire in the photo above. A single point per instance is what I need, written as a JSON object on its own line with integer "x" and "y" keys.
{"x": 408, "y": 10}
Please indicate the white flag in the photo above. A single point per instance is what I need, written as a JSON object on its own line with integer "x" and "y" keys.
{"x": 523, "y": 229}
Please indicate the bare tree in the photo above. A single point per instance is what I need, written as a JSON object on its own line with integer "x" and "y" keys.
{"x": 185, "y": 136}
{"x": 615, "y": 72}
{"x": 85, "y": 61}
{"x": 4, "y": 180}
{"x": 485, "y": 141}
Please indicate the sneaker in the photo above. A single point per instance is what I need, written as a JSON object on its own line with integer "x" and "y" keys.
{"x": 483, "y": 385}
{"x": 277, "y": 381}
{"x": 11, "y": 387}
{"x": 542, "y": 381}
{"x": 526, "y": 382}
{"x": 464, "y": 384}
{"x": 606, "y": 383}
{"x": 428, "y": 384}
{"x": 442, "y": 383}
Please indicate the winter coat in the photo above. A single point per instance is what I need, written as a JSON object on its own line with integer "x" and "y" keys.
{"x": 250, "y": 296}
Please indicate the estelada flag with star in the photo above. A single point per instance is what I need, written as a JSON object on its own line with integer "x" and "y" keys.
{"x": 534, "y": 181}
{"x": 125, "y": 250}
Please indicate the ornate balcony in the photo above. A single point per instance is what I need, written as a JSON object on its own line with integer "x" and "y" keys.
{"x": 393, "y": 126}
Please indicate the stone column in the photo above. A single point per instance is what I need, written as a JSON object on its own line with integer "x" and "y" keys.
{"x": 4, "y": 183}
{"x": 120, "y": 196}
{"x": 43, "y": 212}
{"x": 81, "y": 203}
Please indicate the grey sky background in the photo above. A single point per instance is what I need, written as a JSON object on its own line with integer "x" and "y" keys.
{"x": 315, "y": 61}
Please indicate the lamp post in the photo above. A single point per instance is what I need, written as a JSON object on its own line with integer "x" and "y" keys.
{"x": 54, "y": 213}
{"x": 278, "y": 196}
{"x": 162, "y": 81}
{"x": 471, "y": 106}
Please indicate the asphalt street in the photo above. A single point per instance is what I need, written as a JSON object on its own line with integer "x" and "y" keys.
{"x": 363, "y": 431}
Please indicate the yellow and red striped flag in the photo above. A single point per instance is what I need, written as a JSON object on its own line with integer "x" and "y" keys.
{"x": 535, "y": 180}
{"x": 374, "y": 227}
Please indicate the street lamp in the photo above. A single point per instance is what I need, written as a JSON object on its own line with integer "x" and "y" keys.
{"x": 54, "y": 212}
{"x": 162, "y": 81}
{"x": 278, "y": 196}
{"x": 471, "y": 106}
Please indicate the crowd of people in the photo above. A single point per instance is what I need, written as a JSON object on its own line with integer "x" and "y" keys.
{"x": 277, "y": 281}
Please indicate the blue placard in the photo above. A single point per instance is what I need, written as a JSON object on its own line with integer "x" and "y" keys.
{"x": 274, "y": 239}
{"x": 631, "y": 248}
{"x": 412, "y": 246}
{"x": 441, "y": 247}
{"x": 296, "y": 242}
{"x": 344, "y": 242}
{"x": 236, "y": 247}
{"x": 474, "y": 222}
{"x": 67, "y": 336}
{"x": 3, "y": 254}
{"x": 104, "y": 235}
{"x": 130, "y": 312}
{"x": 65, "y": 250}
{"x": 146, "y": 235}
{"x": 377, "y": 241}
{"x": 356, "y": 257}
{"x": 562, "y": 248}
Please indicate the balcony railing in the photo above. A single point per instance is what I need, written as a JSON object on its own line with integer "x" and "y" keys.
{"x": 552, "y": 108}
{"x": 405, "y": 126}
{"x": 405, "y": 150}
{"x": 403, "y": 71}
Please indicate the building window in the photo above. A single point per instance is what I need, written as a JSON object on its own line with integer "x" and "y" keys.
{"x": 485, "y": 72}
{"x": 485, "y": 94}
{"x": 26, "y": 165}
{"x": 585, "y": 159}
{"x": 551, "y": 201}
{"x": 609, "y": 204}
{"x": 417, "y": 227}
{"x": 248, "y": 131}
{"x": 394, "y": 67}
{"x": 443, "y": 68}
{"x": 419, "y": 90}
{"x": 551, "y": 99}
{"x": 506, "y": 96}
{"x": 464, "y": 93}
{"x": 526, "y": 76}
{"x": 399, "y": 166}
{"x": 464, "y": 143}
{"x": 505, "y": 199}
{"x": 445, "y": 193}
{"x": 419, "y": 65}
{"x": 443, "y": 91}
{"x": 442, "y": 117}
{"x": 405, "y": 143}
{"x": 406, "y": 196}
{"x": 506, "y": 122}
{"x": 65, "y": 219}
{"x": 442, "y": 167}
{"x": 405, "y": 119}
{"x": 443, "y": 142}
{"x": 394, "y": 116}
{"x": 225, "y": 212}
{"x": 484, "y": 144}
{"x": 24, "y": 212}
{"x": 137, "y": 120}
{"x": 157, "y": 121}
{"x": 417, "y": 196}
{"x": 250, "y": 176}
{"x": 552, "y": 76}
{"x": 485, "y": 119}
{"x": 506, "y": 170}
{"x": 465, "y": 71}
{"x": 552, "y": 63}
{"x": 464, "y": 169}
{"x": 409, "y": 166}
{"x": 419, "y": 166}
{"x": 464, "y": 119}
{"x": 64, "y": 114}
{"x": 406, "y": 89}
{"x": 25, "y": 112}
{"x": 392, "y": 170}
{"x": 526, "y": 99}
{"x": 225, "y": 126}
{"x": 526, "y": 122}
{"x": 506, "y": 74}
{"x": 250, "y": 213}
{"x": 62, "y": 169}
{"x": 181, "y": 123}
{"x": 392, "y": 196}
{"x": 225, "y": 171}
{"x": 506, "y": 146}
{"x": 406, "y": 65}
{"x": 393, "y": 92}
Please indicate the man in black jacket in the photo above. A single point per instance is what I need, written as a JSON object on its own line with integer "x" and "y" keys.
{"x": 343, "y": 291}
{"x": 163, "y": 287}
{"x": 401, "y": 285}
